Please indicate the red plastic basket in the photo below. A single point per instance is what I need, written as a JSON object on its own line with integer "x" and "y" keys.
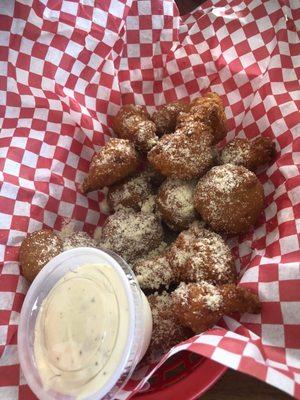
{"x": 186, "y": 374}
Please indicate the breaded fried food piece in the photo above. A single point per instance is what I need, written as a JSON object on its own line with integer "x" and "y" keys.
{"x": 167, "y": 331}
{"x": 208, "y": 109}
{"x": 154, "y": 270}
{"x": 132, "y": 192}
{"x": 229, "y": 198}
{"x": 199, "y": 306}
{"x": 183, "y": 156}
{"x": 133, "y": 123}
{"x": 199, "y": 254}
{"x": 131, "y": 234}
{"x": 166, "y": 116}
{"x": 249, "y": 154}
{"x": 174, "y": 201}
{"x": 37, "y": 249}
{"x": 114, "y": 162}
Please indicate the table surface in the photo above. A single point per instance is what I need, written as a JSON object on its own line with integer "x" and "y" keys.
{"x": 237, "y": 386}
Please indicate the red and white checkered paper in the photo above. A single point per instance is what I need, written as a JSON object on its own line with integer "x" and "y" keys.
{"x": 65, "y": 69}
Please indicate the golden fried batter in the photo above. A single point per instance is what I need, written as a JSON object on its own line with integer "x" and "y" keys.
{"x": 199, "y": 254}
{"x": 175, "y": 203}
{"x": 229, "y": 198}
{"x": 37, "y": 249}
{"x": 249, "y": 154}
{"x": 133, "y": 123}
{"x": 165, "y": 118}
{"x": 131, "y": 193}
{"x": 167, "y": 331}
{"x": 209, "y": 110}
{"x": 114, "y": 162}
{"x": 183, "y": 156}
{"x": 131, "y": 234}
{"x": 199, "y": 306}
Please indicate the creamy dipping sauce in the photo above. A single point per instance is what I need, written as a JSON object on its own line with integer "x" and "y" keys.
{"x": 82, "y": 330}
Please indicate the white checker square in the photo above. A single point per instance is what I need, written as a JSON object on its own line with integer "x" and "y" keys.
{"x": 47, "y": 150}
{"x": 9, "y": 356}
{"x": 289, "y": 271}
{"x": 100, "y": 17}
{"x": 133, "y": 50}
{"x": 268, "y": 291}
{"x": 157, "y": 22}
{"x": 286, "y": 214}
{"x": 4, "y": 36}
{"x": 30, "y": 159}
{"x": 168, "y": 8}
{"x": 293, "y": 358}
{"x": 26, "y": 46}
{"x": 9, "y": 190}
{"x": 11, "y": 167}
{"x": 72, "y": 160}
{"x": 144, "y": 7}
{"x": 84, "y": 24}
{"x": 289, "y": 244}
{"x": 69, "y": 7}
{"x": 11, "y": 268}
{"x": 49, "y": 218}
{"x": 13, "y": 319}
{"x": 5, "y": 221}
{"x": 146, "y": 36}
{"x": 229, "y": 359}
{"x": 54, "y": 55}
{"x": 73, "y": 49}
{"x": 255, "y": 42}
{"x": 9, "y": 392}
{"x": 6, "y": 300}
{"x": 3, "y": 334}
{"x": 253, "y": 351}
{"x": 251, "y": 274}
{"x": 36, "y": 65}
{"x": 280, "y": 380}
{"x": 65, "y": 209}
{"x": 22, "y": 208}
{"x": 273, "y": 335}
{"x": 22, "y": 285}
{"x": 92, "y": 217}
{"x": 290, "y": 312}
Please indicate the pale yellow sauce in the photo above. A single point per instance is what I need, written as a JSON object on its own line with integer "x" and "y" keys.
{"x": 81, "y": 331}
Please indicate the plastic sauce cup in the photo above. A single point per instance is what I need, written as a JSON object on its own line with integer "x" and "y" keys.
{"x": 138, "y": 333}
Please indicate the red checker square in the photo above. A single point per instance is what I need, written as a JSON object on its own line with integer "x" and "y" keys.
{"x": 243, "y": 48}
{"x": 20, "y": 223}
{"x": 85, "y": 54}
{"x": 4, "y": 54}
{"x": 9, "y": 374}
{"x": 43, "y": 162}
{"x": 255, "y": 328}
{"x": 133, "y": 37}
{"x": 6, "y": 22}
{"x": 69, "y": 195}
{"x": 49, "y": 70}
{"x": 21, "y": 11}
{"x": 192, "y": 87}
{"x": 49, "y": 26}
{"x": 41, "y": 102}
{"x": 232, "y": 345}
{"x": 80, "y": 213}
{"x": 39, "y": 125}
{"x": 15, "y": 154}
{"x": 34, "y": 145}
{"x": 9, "y": 283}
{"x": 86, "y": 122}
{"x": 287, "y": 229}
{"x": 149, "y": 99}
{"x": 5, "y": 142}
{"x": 12, "y": 329}
{"x": 27, "y": 172}
{"x": 13, "y": 99}
{"x": 292, "y": 336}
{"x": 145, "y": 22}
{"x": 274, "y": 114}
{"x": 273, "y": 250}
{"x": 146, "y": 50}
{"x": 66, "y": 62}
{"x": 252, "y": 367}
{"x": 268, "y": 273}
{"x": 237, "y": 107}
{"x": 25, "y": 113}
{"x": 7, "y": 207}
{"x": 297, "y": 211}
{"x": 271, "y": 313}
{"x": 204, "y": 349}
{"x": 78, "y": 35}
{"x": 71, "y": 81}
{"x": 102, "y": 105}
{"x": 59, "y": 42}
{"x": 4, "y": 233}
{"x": 31, "y": 31}
{"x": 55, "y": 116}
{"x": 52, "y": 205}
{"x": 9, "y": 123}
{"x": 275, "y": 354}
{"x": 34, "y": 80}
{"x": 226, "y": 43}
{"x": 69, "y": 172}
{"x": 26, "y": 393}
{"x": 80, "y": 99}
{"x": 289, "y": 290}
{"x": 4, "y": 317}
{"x": 39, "y": 50}
{"x": 11, "y": 253}
{"x": 23, "y": 61}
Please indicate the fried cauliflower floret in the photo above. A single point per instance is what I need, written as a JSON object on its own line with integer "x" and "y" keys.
{"x": 131, "y": 234}
{"x": 114, "y": 162}
{"x": 199, "y": 306}
{"x": 166, "y": 116}
{"x": 133, "y": 123}
{"x": 199, "y": 254}
{"x": 229, "y": 198}
{"x": 249, "y": 154}
{"x": 37, "y": 249}
{"x": 174, "y": 201}
{"x": 183, "y": 156}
